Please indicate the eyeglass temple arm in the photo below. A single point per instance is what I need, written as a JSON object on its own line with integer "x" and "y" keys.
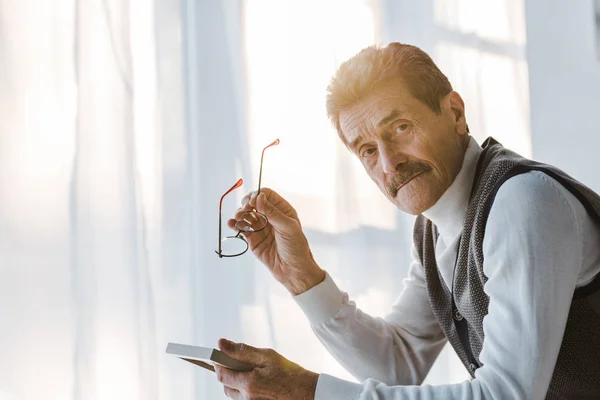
{"x": 275, "y": 142}
{"x": 237, "y": 185}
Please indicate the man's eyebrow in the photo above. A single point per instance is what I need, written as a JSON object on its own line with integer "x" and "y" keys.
{"x": 394, "y": 114}
{"x": 389, "y": 118}
{"x": 355, "y": 142}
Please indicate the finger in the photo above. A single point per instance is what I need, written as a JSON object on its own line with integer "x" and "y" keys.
{"x": 276, "y": 217}
{"x": 240, "y": 226}
{"x": 246, "y": 198}
{"x": 232, "y": 393}
{"x": 252, "y": 201}
{"x": 230, "y": 378}
{"x": 227, "y": 377}
{"x": 231, "y": 223}
{"x": 235, "y": 224}
{"x": 244, "y": 352}
{"x": 247, "y": 218}
{"x": 243, "y": 209}
{"x": 242, "y": 214}
{"x": 252, "y": 221}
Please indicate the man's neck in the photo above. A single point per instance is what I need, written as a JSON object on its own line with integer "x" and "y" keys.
{"x": 449, "y": 212}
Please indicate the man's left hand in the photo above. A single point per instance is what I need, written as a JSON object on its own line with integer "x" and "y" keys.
{"x": 273, "y": 377}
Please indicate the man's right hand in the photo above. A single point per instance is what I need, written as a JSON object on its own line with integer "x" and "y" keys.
{"x": 281, "y": 246}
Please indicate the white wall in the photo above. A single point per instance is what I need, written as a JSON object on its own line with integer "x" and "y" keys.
{"x": 564, "y": 78}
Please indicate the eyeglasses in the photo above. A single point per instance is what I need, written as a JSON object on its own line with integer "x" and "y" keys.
{"x": 250, "y": 221}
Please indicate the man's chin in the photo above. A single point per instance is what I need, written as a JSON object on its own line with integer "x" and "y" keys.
{"x": 410, "y": 199}
{"x": 412, "y": 207}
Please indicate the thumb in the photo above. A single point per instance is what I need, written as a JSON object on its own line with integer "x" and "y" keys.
{"x": 275, "y": 216}
{"x": 242, "y": 352}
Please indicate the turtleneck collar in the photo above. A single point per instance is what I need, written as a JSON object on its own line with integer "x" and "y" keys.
{"x": 449, "y": 212}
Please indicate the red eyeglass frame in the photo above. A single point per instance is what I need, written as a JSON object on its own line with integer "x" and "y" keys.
{"x": 235, "y": 186}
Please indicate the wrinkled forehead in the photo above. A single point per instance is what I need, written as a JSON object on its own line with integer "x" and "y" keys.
{"x": 366, "y": 116}
{"x": 360, "y": 120}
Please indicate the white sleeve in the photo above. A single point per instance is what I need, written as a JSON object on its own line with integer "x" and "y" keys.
{"x": 533, "y": 256}
{"x": 397, "y": 349}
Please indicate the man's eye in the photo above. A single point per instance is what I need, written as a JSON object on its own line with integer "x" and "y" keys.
{"x": 367, "y": 152}
{"x": 401, "y": 128}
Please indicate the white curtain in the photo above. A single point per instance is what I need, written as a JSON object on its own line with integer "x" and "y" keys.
{"x": 123, "y": 122}
{"x": 95, "y": 253}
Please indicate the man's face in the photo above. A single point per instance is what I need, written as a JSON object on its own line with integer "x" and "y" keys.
{"x": 410, "y": 152}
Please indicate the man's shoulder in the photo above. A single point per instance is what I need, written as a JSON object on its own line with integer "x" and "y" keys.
{"x": 534, "y": 187}
{"x": 533, "y": 195}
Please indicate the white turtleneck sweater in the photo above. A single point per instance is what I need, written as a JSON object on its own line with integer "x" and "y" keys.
{"x": 539, "y": 245}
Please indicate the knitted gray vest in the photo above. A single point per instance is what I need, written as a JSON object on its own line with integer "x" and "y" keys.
{"x": 577, "y": 371}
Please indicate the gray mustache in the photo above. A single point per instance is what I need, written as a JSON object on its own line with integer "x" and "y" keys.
{"x": 407, "y": 172}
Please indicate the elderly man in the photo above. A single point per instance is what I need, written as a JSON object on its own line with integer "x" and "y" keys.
{"x": 506, "y": 256}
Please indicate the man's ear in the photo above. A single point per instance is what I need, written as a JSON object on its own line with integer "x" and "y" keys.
{"x": 457, "y": 105}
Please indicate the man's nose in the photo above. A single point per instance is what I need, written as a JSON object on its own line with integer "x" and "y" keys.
{"x": 392, "y": 159}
